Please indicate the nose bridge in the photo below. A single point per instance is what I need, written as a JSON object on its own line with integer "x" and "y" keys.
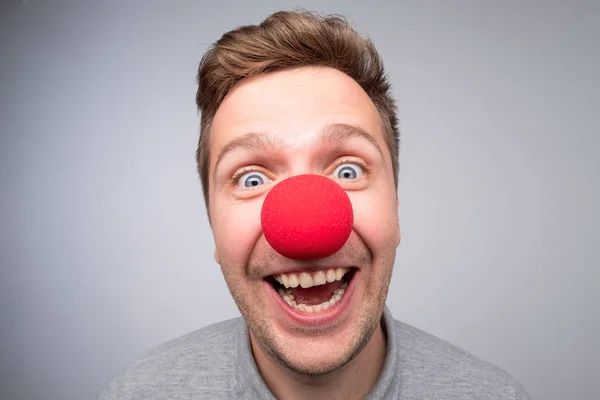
{"x": 302, "y": 160}
{"x": 299, "y": 165}
{"x": 302, "y": 150}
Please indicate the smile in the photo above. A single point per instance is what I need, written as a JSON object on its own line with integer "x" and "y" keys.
{"x": 315, "y": 291}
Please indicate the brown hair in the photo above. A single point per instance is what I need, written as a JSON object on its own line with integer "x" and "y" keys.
{"x": 288, "y": 40}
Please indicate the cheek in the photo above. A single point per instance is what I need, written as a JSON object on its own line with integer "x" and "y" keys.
{"x": 236, "y": 228}
{"x": 376, "y": 218}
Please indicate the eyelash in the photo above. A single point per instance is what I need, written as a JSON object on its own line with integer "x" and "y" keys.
{"x": 346, "y": 160}
{"x": 242, "y": 172}
{"x": 350, "y": 160}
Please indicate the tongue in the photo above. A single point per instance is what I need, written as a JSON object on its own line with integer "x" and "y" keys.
{"x": 316, "y": 294}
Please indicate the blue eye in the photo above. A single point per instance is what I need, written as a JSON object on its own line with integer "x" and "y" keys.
{"x": 252, "y": 179}
{"x": 348, "y": 171}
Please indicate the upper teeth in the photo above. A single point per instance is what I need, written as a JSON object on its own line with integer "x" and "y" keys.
{"x": 306, "y": 279}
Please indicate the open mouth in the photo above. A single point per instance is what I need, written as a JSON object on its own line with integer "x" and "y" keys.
{"x": 313, "y": 291}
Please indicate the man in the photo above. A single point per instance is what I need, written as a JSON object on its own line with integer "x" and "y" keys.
{"x": 298, "y": 158}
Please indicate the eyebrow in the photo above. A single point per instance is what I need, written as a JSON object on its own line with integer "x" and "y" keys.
{"x": 259, "y": 141}
{"x": 251, "y": 141}
{"x": 338, "y": 132}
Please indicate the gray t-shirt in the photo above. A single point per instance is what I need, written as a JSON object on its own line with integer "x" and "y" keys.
{"x": 216, "y": 363}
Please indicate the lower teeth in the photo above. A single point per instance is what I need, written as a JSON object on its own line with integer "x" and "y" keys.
{"x": 288, "y": 297}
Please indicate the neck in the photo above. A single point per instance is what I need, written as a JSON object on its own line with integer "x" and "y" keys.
{"x": 353, "y": 381}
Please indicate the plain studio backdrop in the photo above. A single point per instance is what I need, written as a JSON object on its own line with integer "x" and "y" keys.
{"x": 105, "y": 247}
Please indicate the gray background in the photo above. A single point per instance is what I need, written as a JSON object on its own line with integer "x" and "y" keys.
{"x": 105, "y": 248}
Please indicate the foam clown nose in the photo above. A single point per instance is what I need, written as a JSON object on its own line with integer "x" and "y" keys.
{"x": 307, "y": 217}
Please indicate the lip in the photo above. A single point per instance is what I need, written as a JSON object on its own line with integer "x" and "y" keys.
{"x": 328, "y": 316}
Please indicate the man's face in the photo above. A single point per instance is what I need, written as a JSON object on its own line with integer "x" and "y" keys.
{"x": 267, "y": 129}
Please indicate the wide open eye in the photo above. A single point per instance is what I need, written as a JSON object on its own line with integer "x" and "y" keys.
{"x": 252, "y": 179}
{"x": 348, "y": 171}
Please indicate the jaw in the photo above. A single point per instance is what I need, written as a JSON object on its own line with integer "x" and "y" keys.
{"x": 310, "y": 339}
{"x": 320, "y": 342}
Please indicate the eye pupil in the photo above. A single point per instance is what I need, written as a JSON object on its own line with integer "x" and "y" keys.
{"x": 347, "y": 173}
{"x": 253, "y": 181}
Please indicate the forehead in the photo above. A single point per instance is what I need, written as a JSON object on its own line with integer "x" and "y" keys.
{"x": 301, "y": 91}
{"x": 290, "y": 102}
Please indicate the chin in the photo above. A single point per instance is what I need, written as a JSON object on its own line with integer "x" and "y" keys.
{"x": 319, "y": 355}
{"x": 316, "y": 361}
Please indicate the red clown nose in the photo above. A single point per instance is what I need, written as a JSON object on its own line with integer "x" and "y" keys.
{"x": 307, "y": 217}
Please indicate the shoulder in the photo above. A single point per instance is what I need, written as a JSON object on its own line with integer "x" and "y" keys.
{"x": 200, "y": 360}
{"x": 449, "y": 370}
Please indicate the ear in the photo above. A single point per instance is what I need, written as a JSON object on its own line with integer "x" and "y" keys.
{"x": 398, "y": 234}
{"x": 217, "y": 257}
